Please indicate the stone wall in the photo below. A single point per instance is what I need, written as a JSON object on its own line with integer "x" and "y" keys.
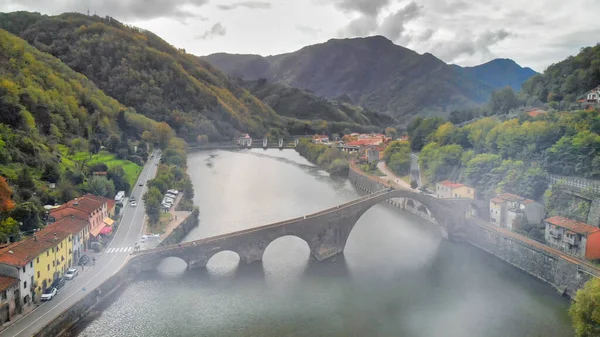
{"x": 566, "y": 275}
{"x": 182, "y": 230}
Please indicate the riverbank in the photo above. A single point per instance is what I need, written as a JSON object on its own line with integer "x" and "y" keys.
{"x": 565, "y": 273}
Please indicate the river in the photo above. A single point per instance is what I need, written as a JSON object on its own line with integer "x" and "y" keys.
{"x": 397, "y": 277}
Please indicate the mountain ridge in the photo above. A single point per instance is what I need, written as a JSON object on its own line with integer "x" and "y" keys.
{"x": 372, "y": 71}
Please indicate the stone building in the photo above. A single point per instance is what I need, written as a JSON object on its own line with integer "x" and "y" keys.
{"x": 9, "y": 292}
{"x": 507, "y": 210}
{"x": 449, "y": 189}
{"x": 573, "y": 237}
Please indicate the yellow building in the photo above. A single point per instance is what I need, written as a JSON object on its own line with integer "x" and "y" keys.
{"x": 55, "y": 258}
{"x": 449, "y": 189}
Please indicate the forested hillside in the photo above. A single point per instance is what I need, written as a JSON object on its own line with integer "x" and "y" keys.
{"x": 567, "y": 80}
{"x": 512, "y": 155}
{"x": 56, "y": 128}
{"x": 301, "y": 104}
{"x": 141, "y": 70}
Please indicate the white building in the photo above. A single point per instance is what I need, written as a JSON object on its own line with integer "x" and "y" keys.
{"x": 245, "y": 140}
{"x": 593, "y": 96}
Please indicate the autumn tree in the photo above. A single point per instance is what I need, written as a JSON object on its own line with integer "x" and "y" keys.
{"x": 6, "y": 203}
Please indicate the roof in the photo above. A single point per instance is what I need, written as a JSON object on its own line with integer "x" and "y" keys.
{"x": 570, "y": 224}
{"x": 497, "y": 200}
{"x": 7, "y": 282}
{"x": 528, "y": 201}
{"x": 110, "y": 204}
{"x": 365, "y": 142}
{"x": 451, "y": 184}
{"x": 21, "y": 253}
{"x": 80, "y": 207}
{"x": 535, "y": 113}
{"x": 72, "y": 225}
{"x": 510, "y": 197}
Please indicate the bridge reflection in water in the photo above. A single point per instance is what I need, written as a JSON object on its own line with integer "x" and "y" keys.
{"x": 325, "y": 232}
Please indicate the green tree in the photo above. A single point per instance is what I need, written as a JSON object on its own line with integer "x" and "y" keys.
{"x": 102, "y": 186}
{"x": 9, "y": 230}
{"x": 397, "y": 157}
{"x": 503, "y": 100}
{"x": 391, "y": 132}
{"x": 29, "y": 214}
{"x": 152, "y": 202}
{"x": 585, "y": 310}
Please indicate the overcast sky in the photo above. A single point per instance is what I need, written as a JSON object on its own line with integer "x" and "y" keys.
{"x": 535, "y": 33}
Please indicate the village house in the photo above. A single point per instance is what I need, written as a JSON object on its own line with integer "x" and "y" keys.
{"x": 449, "y": 189}
{"x": 245, "y": 140}
{"x": 9, "y": 292}
{"x": 91, "y": 208}
{"x": 535, "y": 112}
{"x": 573, "y": 237}
{"x": 320, "y": 139}
{"x": 509, "y": 211}
{"x": 593, "y": 96}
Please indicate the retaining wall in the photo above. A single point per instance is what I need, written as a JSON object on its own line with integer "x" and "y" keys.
{"x": 182, "y": 230}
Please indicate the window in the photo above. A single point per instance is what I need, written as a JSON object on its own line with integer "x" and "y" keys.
{"x": 48, "y": 266}
{"x": 32, "y": 280}
{"x": 31, "y": 264}
{"x": 69, "y": 239}
{"x": 53, "y": 263}
{"x": 37, "y": 260}
{"x": 47, "y": 253}
{"x": 23, "y": 268}
{"x": 61, "y": 245}
{"x": 38, "y": 274}
{"x": 25, "y": 284}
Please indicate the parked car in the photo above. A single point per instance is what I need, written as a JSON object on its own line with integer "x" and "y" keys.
{"x": 141, "y": 183}
{"x": 133, "y": 203}
{"x": 168, "y": 195}
{"x": 84, "y": 260}
{"x": 71, "y": 273}
{"x": 132, "y": 198}
{"x": 58, "y": 283}
{"x": 174, "y": 192}
{"x": 168, "y": 199}
{"x": 49, "y": 294}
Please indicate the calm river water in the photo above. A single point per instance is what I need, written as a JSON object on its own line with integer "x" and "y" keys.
{"x": 396, "y": 277}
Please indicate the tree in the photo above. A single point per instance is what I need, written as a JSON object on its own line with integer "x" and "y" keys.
{"x": 152, "y": 201}
{"x": 117, "y": 176}
{"x": 6, "y": 203}
{"x": 585, "y": 310}
{"x": 9, "y": 228}
{"x": 414, "y": 184}
{"x": 102, "y": 186}
{"x": 391, "y": 132}
{"x": 29, "y": 214}
{"x": 24, "y": 180}
{"x": 503, "y": 100}
{"x": 202, "y": 139}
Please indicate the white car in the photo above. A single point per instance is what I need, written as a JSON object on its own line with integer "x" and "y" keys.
{"x": 133, "y": 204}
{"x": 175, "y": 192}
{"x": 49, "y": 294}
{"x": 168, "y": 201}
{"x": 71, "y": 273}
{"x": 168, "y": 195}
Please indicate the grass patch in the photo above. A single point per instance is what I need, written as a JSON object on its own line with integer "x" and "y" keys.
{"x": 132, "y": 170}
{"x": 161, "y": 226}
{"x": 406, "y": 179}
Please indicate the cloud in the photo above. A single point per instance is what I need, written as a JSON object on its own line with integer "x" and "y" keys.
{"x": 427, "y": 34}
{"x": 362, "y": 26}
{"x": 308, "y": 30}
{"x": 246, "y": 4}
{"x": 369, "y": 8}
{"x": 393, "y": 25}
{"x": 120, "y": 9}
{"x": 216, "y": 30}
{"x": 468, "y": 46}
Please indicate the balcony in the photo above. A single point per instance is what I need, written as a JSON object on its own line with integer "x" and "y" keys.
{"x": 570, "y": 239}
{"x": 555, "y": 234}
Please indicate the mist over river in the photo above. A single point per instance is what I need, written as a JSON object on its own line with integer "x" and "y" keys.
{"x": 397, "y": 277}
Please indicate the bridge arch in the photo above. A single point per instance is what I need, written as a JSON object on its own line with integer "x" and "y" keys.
{"x": 225, "y": 255}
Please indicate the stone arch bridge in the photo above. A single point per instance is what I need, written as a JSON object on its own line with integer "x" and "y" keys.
{"x": 325, "y": 232}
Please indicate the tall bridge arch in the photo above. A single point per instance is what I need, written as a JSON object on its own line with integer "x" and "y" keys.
{"x": 325, "y": 232}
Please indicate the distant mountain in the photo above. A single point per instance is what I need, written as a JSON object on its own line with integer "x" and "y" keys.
{"x": 499, "y": 73}
{"x": 372, "y": 72}
{"x": 143, "y": 71}
{"x": 301, "y": 104}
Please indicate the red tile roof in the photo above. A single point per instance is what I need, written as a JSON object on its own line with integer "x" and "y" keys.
{"x": 535, "y": 113}
{"x": 365, "y": 142}
{"x": 81, "y": 207}
{"x": 528, "y": 201}
{"x": 510, "y": 197}
{"x": 71, "y": 225}
{"x": 570, "y": 224}
{"x": 451, "y": 184}
{"x": 497, "y": 200}
{"x": 7, "y": 282}
{"x": 20, "y": 253}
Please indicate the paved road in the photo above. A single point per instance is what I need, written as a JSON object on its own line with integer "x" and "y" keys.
{"x": 389, "y": 175}
{"x": 415, "y": 172}
{"x": 128, "y": 233}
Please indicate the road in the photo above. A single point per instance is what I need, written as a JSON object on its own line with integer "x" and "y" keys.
{"x": 127, "y": 234}
{"x": 415, "y": 172}
{"x": 389, "y": 175}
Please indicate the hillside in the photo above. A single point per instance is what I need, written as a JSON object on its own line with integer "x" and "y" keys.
{"x": 53, "y": 125}
{"x": 301, "y": 104}
{"x": 499, "y": 73}
{"x": 373, "y": 72}
{"x": 567, "y": 80}
{"x": 141, "y": 70}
